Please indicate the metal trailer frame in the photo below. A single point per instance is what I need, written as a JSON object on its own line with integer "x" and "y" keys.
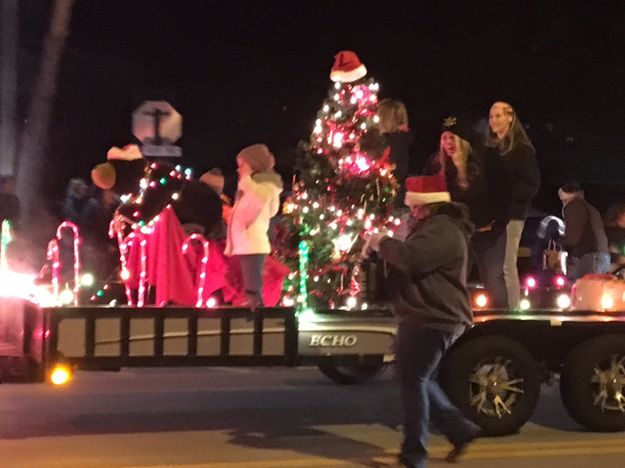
{"x": 290, "y": 335}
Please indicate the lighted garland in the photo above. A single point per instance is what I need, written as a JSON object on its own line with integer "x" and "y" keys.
{"x": 303, "y": 275}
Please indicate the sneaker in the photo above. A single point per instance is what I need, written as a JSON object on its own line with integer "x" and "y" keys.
{"x": 460, "y": 448}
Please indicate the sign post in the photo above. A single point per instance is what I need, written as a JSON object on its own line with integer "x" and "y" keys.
{"x": 158, "y": 126}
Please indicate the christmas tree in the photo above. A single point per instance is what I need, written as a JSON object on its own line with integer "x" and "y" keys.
{"x": 344, "y": 190}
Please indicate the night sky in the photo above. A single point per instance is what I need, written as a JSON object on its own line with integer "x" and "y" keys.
{"x": 242, "y": 72}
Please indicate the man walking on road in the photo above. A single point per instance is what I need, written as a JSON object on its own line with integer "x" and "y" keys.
{"x": 429, "y": 296}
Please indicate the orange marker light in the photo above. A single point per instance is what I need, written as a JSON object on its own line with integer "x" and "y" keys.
{"x": 480, "y": 300}
{"x": 60, "y": 375}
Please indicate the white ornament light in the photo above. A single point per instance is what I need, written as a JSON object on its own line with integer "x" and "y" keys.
{"x": 344, "y": 242}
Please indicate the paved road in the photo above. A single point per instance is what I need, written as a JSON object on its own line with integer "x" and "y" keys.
{"x": 253, "y": 418}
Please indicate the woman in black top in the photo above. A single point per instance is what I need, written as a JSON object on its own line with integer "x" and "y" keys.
{"x": 477, "y": 179}
{"x": 508, "y": 138}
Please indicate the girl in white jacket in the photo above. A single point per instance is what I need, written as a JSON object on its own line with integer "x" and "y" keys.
{"x": 257, "y": 201}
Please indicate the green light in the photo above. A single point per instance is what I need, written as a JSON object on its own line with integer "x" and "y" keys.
{"x": 100, "y": 293}
{"x": 303, "y": 275}
{"x": 163, "y": 181}
{"x": 6, "y": 240}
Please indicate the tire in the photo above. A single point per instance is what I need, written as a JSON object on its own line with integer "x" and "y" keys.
{"x": 473, "y": 375}
{"x": 592, "y": 369}
{"x": 349, "y": 374}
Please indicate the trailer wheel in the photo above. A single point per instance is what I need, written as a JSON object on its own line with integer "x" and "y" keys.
{"x": 349, "y": 374}
{"x": 592, "y": 384}
{"x": 494, "y": 381}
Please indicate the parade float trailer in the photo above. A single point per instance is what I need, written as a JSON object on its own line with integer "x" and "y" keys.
{"x": 494, "y": 372}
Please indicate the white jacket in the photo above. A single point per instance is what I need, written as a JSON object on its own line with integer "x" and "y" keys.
{"x": 256, "y": 204}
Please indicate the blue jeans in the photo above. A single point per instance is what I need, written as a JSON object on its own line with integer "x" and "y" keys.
{"x": 595, "y": 262}
{"x": 488, "y": 249}
{"x": 252, "y": 273}
{"x": 419, "y": 353}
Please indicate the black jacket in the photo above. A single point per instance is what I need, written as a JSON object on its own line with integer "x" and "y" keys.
{"x": 584, "y": 229}
{"x": 523, "y": 170}
{"x": 428, "y": 270}
{"x": 489, "y": 192}
{"x": 399, "y": 143}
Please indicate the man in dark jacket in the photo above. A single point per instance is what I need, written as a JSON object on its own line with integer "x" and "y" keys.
{"x": 584, "y": 236}
{"x": 429, "y": 296}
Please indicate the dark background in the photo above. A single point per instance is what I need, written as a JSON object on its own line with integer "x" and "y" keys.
{"x": 246, "y": 71}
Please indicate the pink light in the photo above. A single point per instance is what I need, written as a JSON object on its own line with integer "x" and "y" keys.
{"x": 211, "y": 302}
{"x": 75, "y": 233}
{"x": 559, "y": 281}
{"x": 530, "y": 282}
{"x": 204, "y": 264}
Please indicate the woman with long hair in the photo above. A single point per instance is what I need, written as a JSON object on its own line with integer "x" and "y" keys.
{"x": 507, "y": 137}
{"x": 393, "y": 125}
{"x": 477, "y": 179}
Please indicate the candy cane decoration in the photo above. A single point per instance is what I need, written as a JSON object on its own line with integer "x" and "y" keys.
{"x": 53, "y": 256}
{"x": 116, "y": 229}
{"x": 75, "y": 232}
{"x": 143, "y": 273}
{"x": 202, "y": 281}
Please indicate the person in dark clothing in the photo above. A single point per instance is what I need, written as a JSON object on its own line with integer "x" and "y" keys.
{"x": 584, "y": 236}
{"x": 430, "y": 298}
{"x": 615, "y": 232}
{"x": 479, "y": 180}
{"x": 508, "y": 138}
{"x": 99, "y": 251}
{"x": 393, "y": 125}
{"x": 76, "y": 198}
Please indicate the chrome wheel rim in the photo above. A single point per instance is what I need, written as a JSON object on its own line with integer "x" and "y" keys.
{"x": 494, "y": 389}
{"x": 608, "y": 383}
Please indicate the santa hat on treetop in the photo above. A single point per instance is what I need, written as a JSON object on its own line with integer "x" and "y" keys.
{"x": 422, "y": 190}
{"x": 347, "y": 67}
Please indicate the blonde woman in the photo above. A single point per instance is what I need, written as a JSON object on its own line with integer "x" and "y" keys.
{"x": 507, "y": 137}
{"x": 394, "y": 126}
{"x": 477, "y": 179}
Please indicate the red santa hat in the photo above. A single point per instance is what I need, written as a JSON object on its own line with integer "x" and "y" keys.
{"x": 127, "y": 153}
{"x": 421, "y": 190}
{"x": 347, "y": 67}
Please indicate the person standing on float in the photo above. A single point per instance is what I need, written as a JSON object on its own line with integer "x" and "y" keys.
{"x": 507, "y": 137}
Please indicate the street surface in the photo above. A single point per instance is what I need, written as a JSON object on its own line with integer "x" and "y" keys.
{"x": 254, "y": 418}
